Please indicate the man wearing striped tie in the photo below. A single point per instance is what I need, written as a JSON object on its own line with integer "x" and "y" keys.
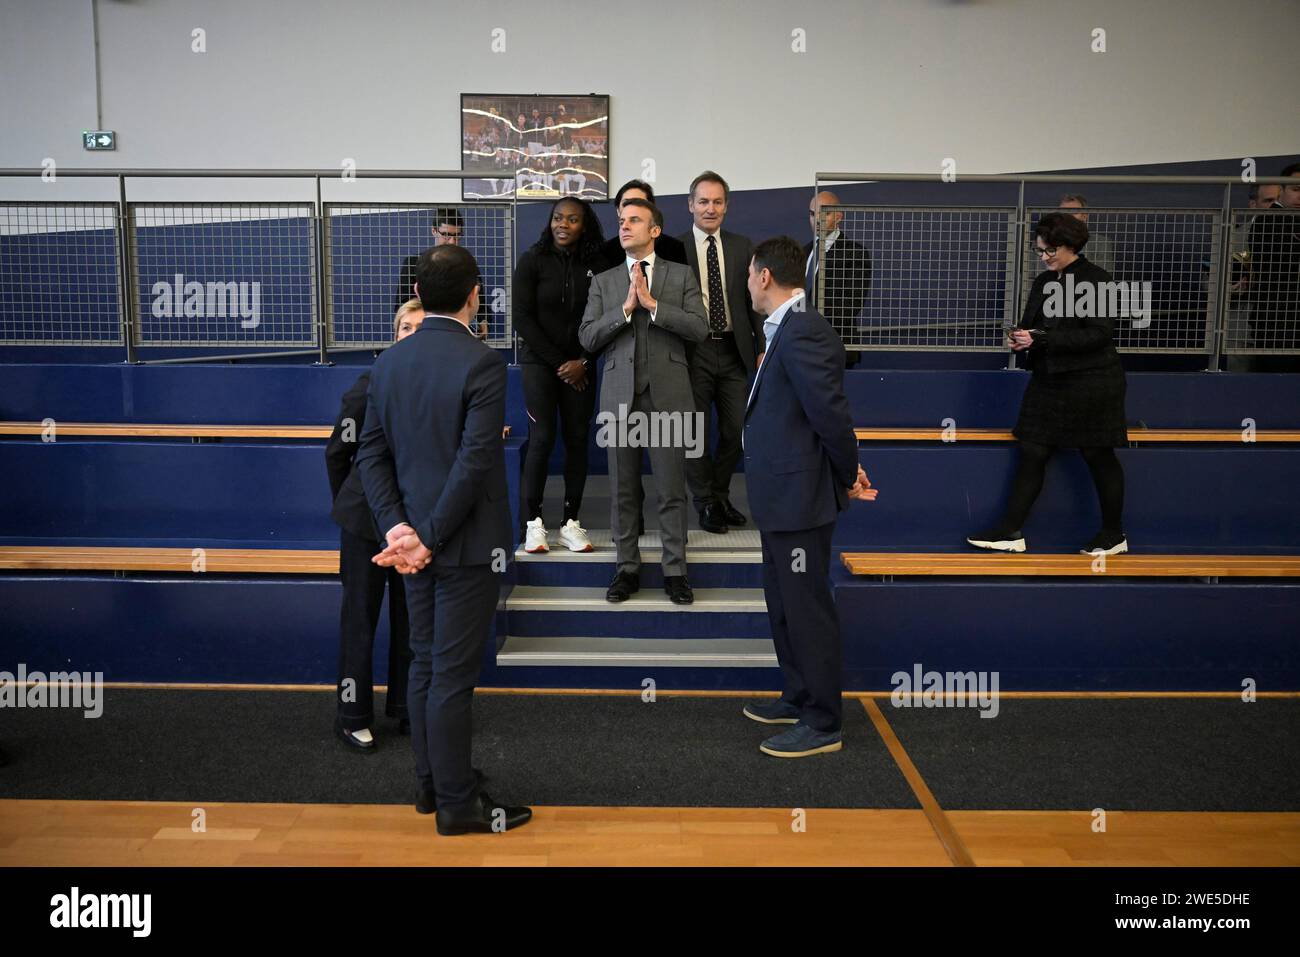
{"x": 724, "y": 363}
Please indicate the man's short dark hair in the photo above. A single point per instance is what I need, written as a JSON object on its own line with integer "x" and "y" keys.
{"x": 783, "y": 257}
{"x": 634, "y": 184}
{"x": 708, "y": 176}
{"x": 1290, "y": 170}
{"x": 1075, "y": 198}
{"x": 1062, "y": 229}
{"x": 655, "y": 214}
{"x": 448, "y": 216}
{"x": 445, "y": 276}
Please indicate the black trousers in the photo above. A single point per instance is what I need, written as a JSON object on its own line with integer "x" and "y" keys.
{"x": 451, "y": 620}
{"x": 363, "y": 597}
{"x": 545, "y": 394}
{"x": 805, "y": 628}
{"x": 718, "y": 377}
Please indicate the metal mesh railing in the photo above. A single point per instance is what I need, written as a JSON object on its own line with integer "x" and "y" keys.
{"x": 918, "y": 277}
{"x": 371, "y": 255}
{"x": 223, "y": 274}
{"x": 1166, "y": 265}
{"x": 59, "y": 277}
{"x": 1263, "y": 314}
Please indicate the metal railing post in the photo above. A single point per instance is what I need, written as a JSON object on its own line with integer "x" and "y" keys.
{"x": 1017, "y": 263}
{"x": 322, "y": 318}
{"x": 126, "y": 286}
{"x": 1216, "y": 320}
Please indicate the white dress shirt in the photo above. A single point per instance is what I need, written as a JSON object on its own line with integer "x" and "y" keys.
{"x": 770, "y": 327}
{"x": 702, "y": 251}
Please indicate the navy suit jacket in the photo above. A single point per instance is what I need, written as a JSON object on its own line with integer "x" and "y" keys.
{"x": 350, "y": 511}
{"x": 431, "y": 452}
{"x": 801, "y": 455}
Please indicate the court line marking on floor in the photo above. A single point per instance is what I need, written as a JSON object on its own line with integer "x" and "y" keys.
{"x": 684, "y": 692}
{"x": 943, "y": 829}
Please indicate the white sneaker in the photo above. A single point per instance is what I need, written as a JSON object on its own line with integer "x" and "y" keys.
{"x": 535, "y": 537}
{"x": 574, "y": 537}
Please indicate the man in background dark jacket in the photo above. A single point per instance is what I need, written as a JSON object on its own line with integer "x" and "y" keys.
{"x": 448, "y": 230}
{"x": 847, "y": 268}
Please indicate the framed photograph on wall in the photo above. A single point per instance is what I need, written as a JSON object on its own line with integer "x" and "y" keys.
{"x": 535, "y": 146}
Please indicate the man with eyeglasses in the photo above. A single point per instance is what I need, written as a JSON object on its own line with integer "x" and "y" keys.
{"x": 847, "y": 270}
{"x": 448, "y": 230}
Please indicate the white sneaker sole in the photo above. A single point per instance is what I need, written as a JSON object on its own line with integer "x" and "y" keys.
{"x": 1005, "y": 545}
{"x": 575, "y": 546}
{"x": 536, "y": 549}
{"x": 824, "y": 749}
{"x": 1119, "y": 549}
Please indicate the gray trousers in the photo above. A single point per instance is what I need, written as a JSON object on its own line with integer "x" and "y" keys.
{"x": 626, "y": 495}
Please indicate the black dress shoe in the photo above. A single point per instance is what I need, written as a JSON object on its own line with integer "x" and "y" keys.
{"x": 623, "y": 587}
{"x": 486, "y": 817}
{"x": 426, "y": 801}
{"x": 678, "y": 589}
{"x": 352, "y": 741}
{"x": 730, "y": 513}
{"x": 712, "y": 518}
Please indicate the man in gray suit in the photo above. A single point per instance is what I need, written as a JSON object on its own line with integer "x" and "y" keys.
{"x": 640, "y": 314}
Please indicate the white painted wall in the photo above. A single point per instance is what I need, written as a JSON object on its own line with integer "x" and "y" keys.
{"x": 1001, "y": 85}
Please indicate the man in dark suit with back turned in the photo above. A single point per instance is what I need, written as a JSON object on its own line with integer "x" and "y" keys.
{"x": 847, "y": 266}
{"x": 722, "y": 364}
{"x": 801, "y": 468}
{"x": 640, "y": 315}
{"x": 432, "y": 463}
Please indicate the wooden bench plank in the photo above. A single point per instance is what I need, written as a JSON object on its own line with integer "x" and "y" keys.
{"x": 227, "y": 560}
{"x": 1011, "y": 563}
{"x": 164, "y": 430}
{"x": 1233, "y": 436}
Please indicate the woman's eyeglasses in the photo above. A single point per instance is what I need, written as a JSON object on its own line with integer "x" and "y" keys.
{"x": 1048, "y": 251}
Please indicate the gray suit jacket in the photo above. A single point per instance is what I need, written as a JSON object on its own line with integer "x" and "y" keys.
{"x": 680, "y": 319}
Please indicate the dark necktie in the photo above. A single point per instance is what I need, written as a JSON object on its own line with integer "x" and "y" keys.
{"x": 717, "y": 304}
{"x": 641, "y": 332}
{"x": 810, "y": 276}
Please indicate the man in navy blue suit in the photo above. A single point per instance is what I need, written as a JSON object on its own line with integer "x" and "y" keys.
{"x": 432, "y": 464}
{"x": 801, "y": 470}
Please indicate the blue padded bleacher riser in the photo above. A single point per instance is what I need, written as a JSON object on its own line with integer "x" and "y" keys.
{"x": 1074, "y": 636}
{"x": 1085, "y": 635}
{"x": 309, "y": 395}
{"x": 1186, "y": 499}
{"x": 1232, "y": 499}
{"x": 170, "y": 493}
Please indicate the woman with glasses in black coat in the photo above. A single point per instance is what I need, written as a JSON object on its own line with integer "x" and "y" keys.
{"x": 1075, "y": 398}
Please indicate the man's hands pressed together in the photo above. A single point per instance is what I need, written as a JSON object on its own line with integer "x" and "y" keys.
{"x": 638, "y": 293}
{"x": 405, "y": 551}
